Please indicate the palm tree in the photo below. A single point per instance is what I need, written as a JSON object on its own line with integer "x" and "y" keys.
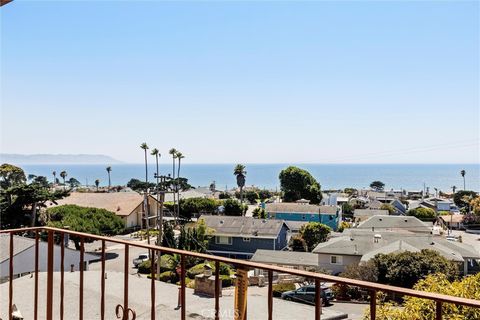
{"x": 97, "y": 183}
{"x": 240, "y": 173}
{"x": 63, "y": 174}
{"x": 144, "y": 146}
{"x": 109, "y": 169}
{"x": 156, "y": 153}
{"x": 453, "y": 189}
{"x": 173, "y": 152}
{"x": 463, "y": 176}
{"x": 54, "y": 177}
{"x": 180, "y": 156}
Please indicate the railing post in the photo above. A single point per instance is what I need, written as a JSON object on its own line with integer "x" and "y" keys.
{"x": 50, "y": 276}
{"x": 35, "y": 303}
{"x": 438, "y": 310}
{"x": 373, "y": 304}
{"x": 82, "y": 266}
{"x": 125, "y": 284}
{"x": 62, "y": 276}
{"x": 102, "y": 284}
{"x": 217, "y": 290}
{"x": 318, "y": 299}
{"x": 182, "y": 287}
{"x": 270, "y": 294}
{"x": 10, "y": 280}
{"x": 152, "y": 284}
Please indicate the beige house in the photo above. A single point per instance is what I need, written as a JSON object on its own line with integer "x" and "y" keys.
{"x": 127, "y": 205}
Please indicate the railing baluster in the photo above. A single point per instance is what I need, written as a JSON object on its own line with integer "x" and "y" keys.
{"x": 35, "y": 298}
{"x": 438, "y": 310}
{"x": 318, "y": 299}
{"x": 217, "y": 290}
{"x": 373, "y": 304}
{"x": 152, "y": 288}
{"x": 270, "y": 294}
{"x": 182, "y": 286}
{"x": 102, "y": 284}
{"x": 10, "y": 280}
{"x": 82, "y": 263}
{"x": 62, "y": 276}
{"x": 50, "y": 276}
{"x": 125, "y": 284}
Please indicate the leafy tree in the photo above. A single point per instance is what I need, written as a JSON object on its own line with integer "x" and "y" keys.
{"x": 138, "y": 185}
{"x": 366, "y": 271}
{"x": 224, "y": 195}
{"x": 475, "y": 205}
{"x": 297, "y": 244}
{"x": 72, "y": 182}
{"x": 240, "y": 173}
{"x": 233, "y": 207}
{"x": 259, "y": 213}
{"x": 377, "y": 185}
{"x": 251, "y": 196}
{"x": 264, "y": 194}
{"x": 314, "y": 233}
{"x": 297, "y": 183}
{"x": 462, "y": 198}
{"x": 347, "y": 209}
{"x": 168, "y": 239}
{"x": 350, "y": 191}
{"x": 11, "y": 175}
{"x": 195, "y": 238}
{"x": 404, "y": 269}
{"x": 190, "y": 206}
{"x": 19, "y": 202}
{"x": 415, "y": 308}
{"x": 388, "y": 207}
{"x": 83, "y": 219}
{"x": 424, "y": 214}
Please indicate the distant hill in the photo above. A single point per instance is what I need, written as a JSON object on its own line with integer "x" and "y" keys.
{"x": 57, "y": 159}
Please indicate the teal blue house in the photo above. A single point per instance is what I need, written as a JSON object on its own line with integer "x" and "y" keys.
{"x": 288, "y": 211}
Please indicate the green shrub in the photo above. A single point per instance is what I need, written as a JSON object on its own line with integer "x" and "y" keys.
{"x": 280, "y": 288}
{"x": 226, "y": 280}
{"x": 199, "y": 269}
{"x": 145, "y": 267}
{"x": 167, "y": 262}
{"x": 168, "y": 276}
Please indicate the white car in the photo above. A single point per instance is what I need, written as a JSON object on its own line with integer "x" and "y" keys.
{"x": 141, "y": 258}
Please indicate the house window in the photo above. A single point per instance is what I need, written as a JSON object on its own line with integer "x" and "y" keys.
{"x": 246, "y": 239}
{"x": 335, "y": 260}
{"x": 223, "y": 240}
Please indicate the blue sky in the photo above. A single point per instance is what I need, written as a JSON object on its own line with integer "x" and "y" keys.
{"x": 252, "y": 82}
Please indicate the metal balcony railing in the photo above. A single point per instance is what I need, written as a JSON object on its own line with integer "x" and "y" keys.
{"x": 124, "y": 312}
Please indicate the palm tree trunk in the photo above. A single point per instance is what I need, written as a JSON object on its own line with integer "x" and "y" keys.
{"x": 178, "y": 189}
{"x": 109, "y": 182}
{"x": 173, "y": 177}
{"x": 147, "y": 216}
{"x": 464, "y": 183}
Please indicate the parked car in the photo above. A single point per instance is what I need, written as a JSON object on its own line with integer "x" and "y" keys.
{"x": 141, "y": 258}
{"x": 307, "y": 295}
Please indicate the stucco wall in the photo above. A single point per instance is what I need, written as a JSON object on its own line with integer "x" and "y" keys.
{"x": 324, "y": 262}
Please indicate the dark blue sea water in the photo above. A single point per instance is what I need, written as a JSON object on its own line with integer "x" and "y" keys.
{"x": 330, "y": 176}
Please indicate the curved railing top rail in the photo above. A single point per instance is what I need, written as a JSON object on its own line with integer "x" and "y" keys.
{"x": 254, "y": 265}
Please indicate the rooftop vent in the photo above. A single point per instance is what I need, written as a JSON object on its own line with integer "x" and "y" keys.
{"x": 221, "y": 221}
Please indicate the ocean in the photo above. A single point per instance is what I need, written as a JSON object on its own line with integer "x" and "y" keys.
{"x": 330, "y": 176}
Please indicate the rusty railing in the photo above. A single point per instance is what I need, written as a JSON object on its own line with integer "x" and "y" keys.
{"x": 126, "y": 313}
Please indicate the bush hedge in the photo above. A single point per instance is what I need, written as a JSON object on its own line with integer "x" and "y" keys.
{"x": 280, "y": 288}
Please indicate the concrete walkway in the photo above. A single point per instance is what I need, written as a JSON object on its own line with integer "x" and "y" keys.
{"x": 139, "y": 299}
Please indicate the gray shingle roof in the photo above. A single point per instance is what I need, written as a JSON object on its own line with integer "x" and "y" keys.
{"x": 285, "y": 258}
{"x": 243, "y": 226}
{"x": 299, "y": 208}
{"x": 363, "y": 244}
{"x": 395, "y": 222}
